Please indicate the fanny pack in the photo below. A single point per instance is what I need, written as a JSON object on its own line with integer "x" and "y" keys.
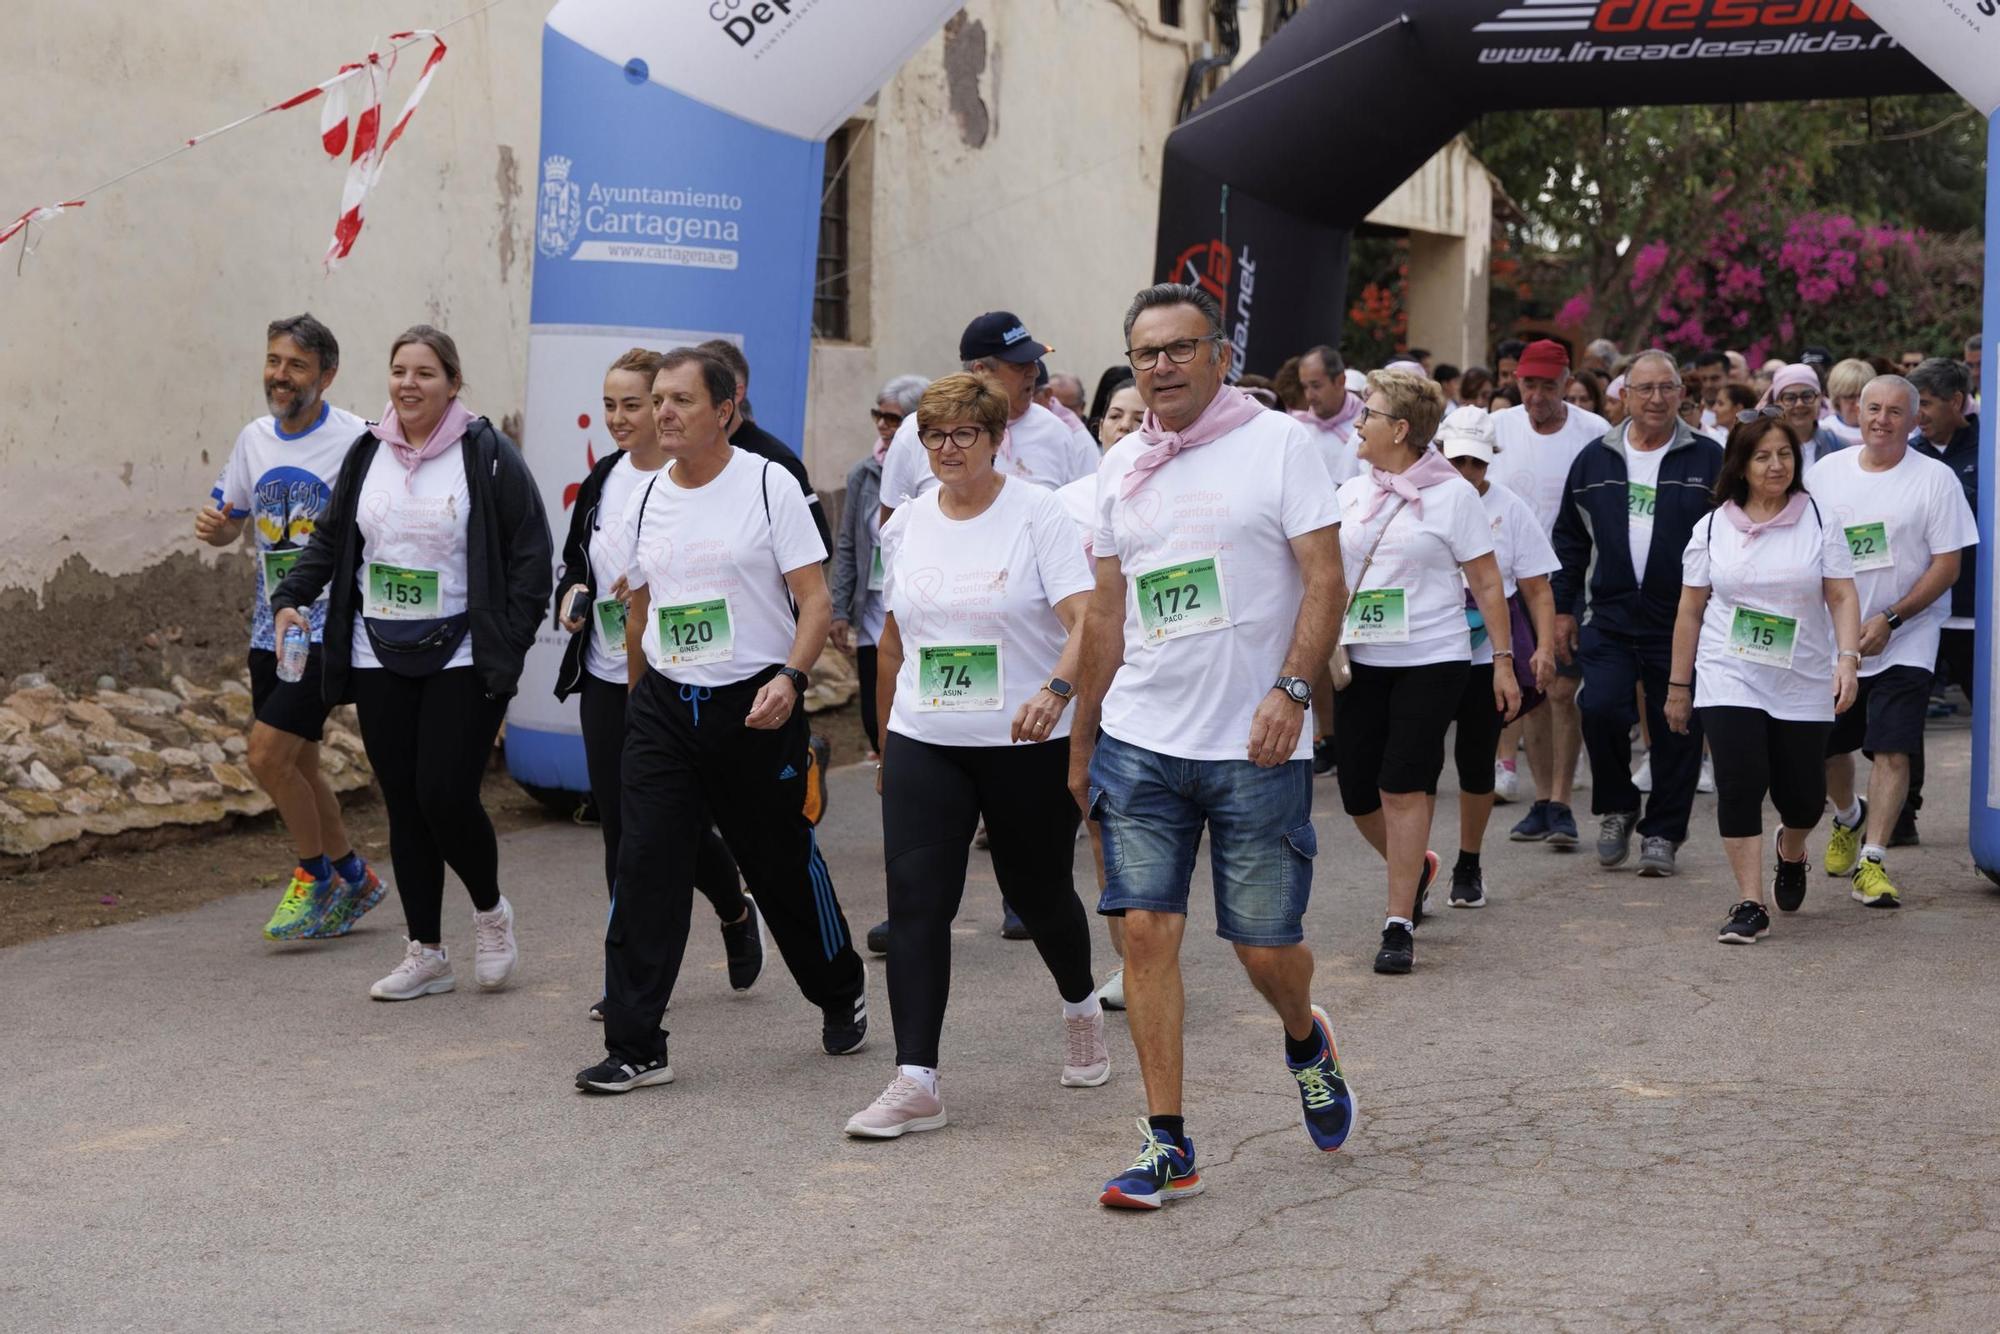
{"x": 416, "y": 648}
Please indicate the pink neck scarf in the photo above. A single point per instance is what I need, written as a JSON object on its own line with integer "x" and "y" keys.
{"x": 448, "y": 432}
{"x": 1229, "y": 409}
{"x": 1350, "y": 408}
{"x": 881, "y": 449}
{"x": 1430, "y": 468}
{"x": 1751, "y": 529}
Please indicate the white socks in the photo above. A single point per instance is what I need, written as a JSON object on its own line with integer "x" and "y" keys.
{"x": 1874, "y": 852}
{"x": 1403, "y": 922}
{"x": 923, "y": 1074}
{"x": 1082, "y": 1009}
{"x": 1851, "y": 816}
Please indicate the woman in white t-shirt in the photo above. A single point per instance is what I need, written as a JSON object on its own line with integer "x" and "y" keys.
{"x": 1525, "y": 559}
{"x": 590, "y": 606}
{"x": 1410, "y": 526}
{"x": 435, "y": 560}
{"x": 986, "y": 589}
{"x": 1767, "y": 593}
{"x": 727, "y": 608}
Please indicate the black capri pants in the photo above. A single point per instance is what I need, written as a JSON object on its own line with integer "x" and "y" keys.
{"x": 932, "y": 798}
{"x": 1477, "y": 742}
{"x": 1755, "y": 753}
{"x": 1388, "y": 730}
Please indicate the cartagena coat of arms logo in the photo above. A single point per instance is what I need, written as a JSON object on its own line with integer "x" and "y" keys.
{"x": 561, "y": 216}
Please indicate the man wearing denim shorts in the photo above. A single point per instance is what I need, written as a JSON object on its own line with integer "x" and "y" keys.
{"x": 1218, "y": 597}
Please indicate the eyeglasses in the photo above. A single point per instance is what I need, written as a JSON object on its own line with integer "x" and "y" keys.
{"x": 1803, "y": 398}
{"x": 965, "y": 437}
{"x": 1368, "y": 413}
{"x": 1181, "y": 351}
{"x": 886, "y": 418}
{"x": 1759, "y": 414}
{"x": 1653, "y": 390}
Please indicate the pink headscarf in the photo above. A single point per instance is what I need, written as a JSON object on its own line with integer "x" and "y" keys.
{"x": 1795, "y": 374}
{"x": 1229, "y": 409}
{"x": 1430, "y": 468}
{"x": 448, "y": 432}
{"x": 1751, "y": 529}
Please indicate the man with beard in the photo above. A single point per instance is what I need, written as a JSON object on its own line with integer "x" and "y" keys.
{"x": 1534, "y": 446}
{"x": 279, "y": 479}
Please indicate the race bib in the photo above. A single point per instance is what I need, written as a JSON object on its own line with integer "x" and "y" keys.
{"x": 1184, "y": 598}
{"x": 1868, "y": 543}
{"x": 1763, "y": 637}
{"x": 398, "y": 594}
{"x": 1377, "y": 616}
{"x": 1641, "y": 502}
{"x": 960, "y": 678}
{"x": 611, "y": 623}
{"x": 278, "y": 564}
{"x": 877, "y": 576}
{"x": 696, "y": 632}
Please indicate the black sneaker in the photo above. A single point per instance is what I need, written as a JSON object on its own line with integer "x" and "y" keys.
{"x": 1398, "y": 950}
{"x": 597, "y": 1012}
{"x": 878, "y": 938}
{"x": 743, "y": 943}
{"x": 1904, "y": 835}
{"x": 612, "y": 1075}
{"x": 1468, "y": 888}
{"x": 1747, "y": 921}
{"x": 1424, "y": 878}
{"x": 1534, "y": 826}
{"x": 843, "y": 1028}
{"x": 1788, "y": 887}
{"x": 1323, "y": 755}
{"x": 1011, "y": 926}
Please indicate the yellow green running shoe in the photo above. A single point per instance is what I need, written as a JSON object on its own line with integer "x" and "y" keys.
{"x": 299, "y": 909}
{"x": 1872, "y": 887}
{"x": 1843, "y": 845}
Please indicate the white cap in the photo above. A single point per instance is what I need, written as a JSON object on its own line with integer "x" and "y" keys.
{"x": 1408, "y": 367}
{"x": 1356, "y": 381}
{"x": 1467, "y": 433}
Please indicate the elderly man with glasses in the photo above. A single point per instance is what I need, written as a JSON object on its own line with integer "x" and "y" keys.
{"x": 1631, "y": 504}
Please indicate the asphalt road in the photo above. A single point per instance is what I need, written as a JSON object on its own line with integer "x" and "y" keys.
{"x": 1579, "y": 1113}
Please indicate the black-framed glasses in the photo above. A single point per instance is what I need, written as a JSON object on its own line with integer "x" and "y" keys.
{"x": 886, "y": 418}
{"x": 1772, "y": 411}
{"x": 1368, "y": 414}
{"x": 1801, "y": 398}
{"x": 965, "y": 437}
{"x": 1181, "y": 351}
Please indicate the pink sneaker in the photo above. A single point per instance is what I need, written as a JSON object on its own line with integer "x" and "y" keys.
{"x": 904, "y": 1106}
{"x": 1086, "y": 1060}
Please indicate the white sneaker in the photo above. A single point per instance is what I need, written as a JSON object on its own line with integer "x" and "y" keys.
{"x": 1506, "y": 783}
{"x": 1706, "y": 783}
{"x": 423, "y": 972}
{"x": 494, "y": 955}
{"x": 1642, "y": 777}
{"x": 1086, "y": 1060}
{"x": 1112, "y": 994}
{"x": 904, "y": 1106}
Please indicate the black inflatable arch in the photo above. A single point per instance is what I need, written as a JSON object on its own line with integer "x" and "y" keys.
{"x": 1263, "y": 184}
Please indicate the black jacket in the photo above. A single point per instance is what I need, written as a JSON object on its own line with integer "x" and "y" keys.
{"x": 507, "y": 561}
{"x": 1961, "y": 455}
{"x": 576, "y": 569}
{"x": 754, "y": 438}
{"x": 1592, "y": 525}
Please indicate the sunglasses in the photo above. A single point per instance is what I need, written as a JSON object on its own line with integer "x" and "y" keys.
{"x": 886, "y": 418}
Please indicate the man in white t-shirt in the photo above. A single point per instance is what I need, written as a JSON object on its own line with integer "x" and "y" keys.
{"x": 1218, "y": 591}
{"x": 279, "y": 480}
{"x": 1907, "y": 523}
{"x": 1329, "y": 415}
{"x": 1536, "y": 442}
{"x": 1038, "y": 448}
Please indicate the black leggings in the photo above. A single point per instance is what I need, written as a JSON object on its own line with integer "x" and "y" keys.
{"x": 1388, "y": 730}
{"x": 932, "y": 797}
{"x": 1755, "y": 753}
{"x": 864, "y": 664}
{"x": 602, "y": 711}
{"x": 429, "y": 740}
{"x": 1477, "y": 742}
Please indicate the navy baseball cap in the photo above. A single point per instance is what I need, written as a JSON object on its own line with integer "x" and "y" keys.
{"x": 999, "y": 334}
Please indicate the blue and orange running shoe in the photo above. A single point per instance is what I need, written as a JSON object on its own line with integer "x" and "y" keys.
{"x": 1163, "y": 1171}
{"x": 1327, "y": 1104}
{"x": 347, "y": 904}
{"x": 299, "y": 910}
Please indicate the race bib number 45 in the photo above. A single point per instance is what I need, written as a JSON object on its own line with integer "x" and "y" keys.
{"x": 397, "y": 594}
{"x": 1378, "y": 616}
{"x": 696, "y": 632}
{"x": 1868, "y": 543}
{"x": 1181, "y": 599}
{"x": 960, "y": 678}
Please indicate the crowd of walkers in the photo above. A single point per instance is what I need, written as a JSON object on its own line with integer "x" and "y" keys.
{"x": 1153, "y": 615}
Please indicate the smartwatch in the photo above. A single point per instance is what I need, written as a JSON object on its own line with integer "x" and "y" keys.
{"x": 1297, "y": 689}
{"x": 797, "y": 678}
{"x": 1060, "y": 688}
{"x": 1889, "y": 615}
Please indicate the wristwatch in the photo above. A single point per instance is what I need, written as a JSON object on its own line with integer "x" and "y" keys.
{"x": 797, "y": 678}
{"x": 1297, "y": 688}
{"x": 1060, "y": 688}
{"x": 1889, "y": 615}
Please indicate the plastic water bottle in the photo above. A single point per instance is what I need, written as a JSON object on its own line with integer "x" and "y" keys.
{"x": 292, "y": 651}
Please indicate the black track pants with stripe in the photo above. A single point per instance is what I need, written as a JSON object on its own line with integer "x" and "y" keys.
{"x": 687, "y": 756}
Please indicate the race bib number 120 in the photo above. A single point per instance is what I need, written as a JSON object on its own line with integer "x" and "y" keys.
{"x": 1184, "y": 598}
{"x": 696, "y": 632}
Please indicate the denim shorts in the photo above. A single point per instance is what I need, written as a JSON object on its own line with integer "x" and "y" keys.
{"x": 1151, "y": 809}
